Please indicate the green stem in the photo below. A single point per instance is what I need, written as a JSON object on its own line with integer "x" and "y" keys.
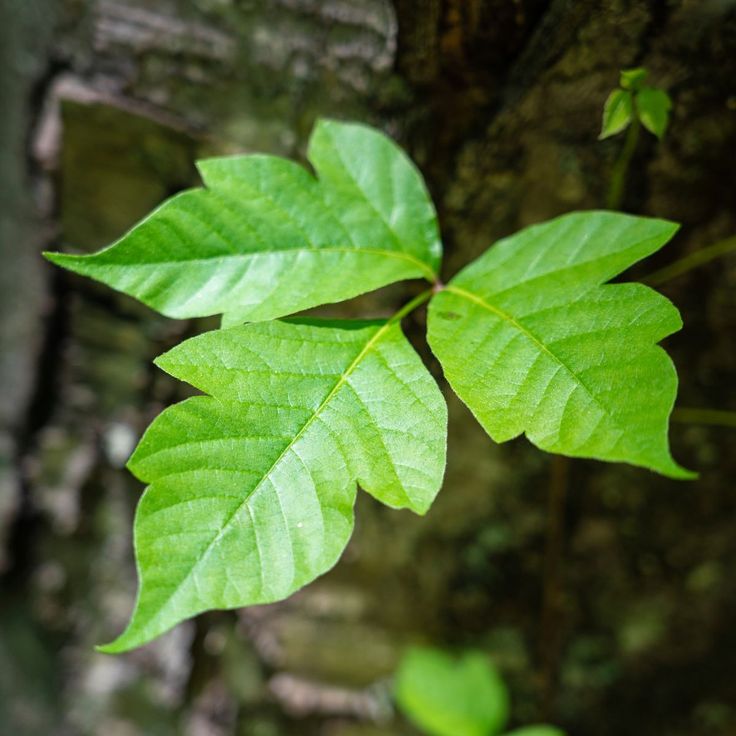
{"x": 620, "y": 170}
{"x": 553, "y": 584}
{"x": 713, "y": 417}
{"x": 409, "y": 307}
{"x": 691, "y": 261}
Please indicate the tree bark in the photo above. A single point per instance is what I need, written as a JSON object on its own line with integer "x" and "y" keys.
{"x": 108, "y": 104}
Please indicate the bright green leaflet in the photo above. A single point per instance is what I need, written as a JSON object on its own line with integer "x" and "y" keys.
{"x": 617, "y": 113}
{"x": 251, "y": 488}
{"x": 266, "y": 239}
{"x": 653, "y": 107}
{"x": 533, "y": 342}
{"x": 536, "y": 731}
{"x": 446, "y": 696}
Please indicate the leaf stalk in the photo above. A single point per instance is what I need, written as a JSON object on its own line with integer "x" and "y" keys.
{"x": 620, "y": 171}
{"x": 409, "y": 307}
{"x": 691, "y": 261}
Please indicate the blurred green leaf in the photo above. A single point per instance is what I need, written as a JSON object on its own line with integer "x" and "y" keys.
{"x": 617, "y": 113}
{"x": 653, "y": 107}
{"x": 536, "y": 731}
{"x": 633, "y": 78}
{"x": 448, "y": 696}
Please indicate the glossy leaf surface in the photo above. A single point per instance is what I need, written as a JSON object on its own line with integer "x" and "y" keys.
{"x": 533, "y": 340}
{"x": 251, "y": 488}
{"x": 265, "y": 238}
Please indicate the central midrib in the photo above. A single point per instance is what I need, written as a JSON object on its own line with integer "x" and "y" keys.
{"x": 399, "y": 255}
{"x": 510, "y": 319}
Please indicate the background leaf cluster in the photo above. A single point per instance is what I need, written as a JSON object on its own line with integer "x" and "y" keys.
{"x": 635, "y": 101}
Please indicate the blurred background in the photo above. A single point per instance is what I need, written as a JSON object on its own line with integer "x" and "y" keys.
{"x": 606, "y": 595}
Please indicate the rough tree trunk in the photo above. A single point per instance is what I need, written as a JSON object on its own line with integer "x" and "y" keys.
{"x": 609, "y": 613}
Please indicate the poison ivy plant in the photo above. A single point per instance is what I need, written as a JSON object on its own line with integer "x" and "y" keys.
{"x": 456, "y": 696}
{"x": 251, "y": 486}
{"x": 635, "y": 102}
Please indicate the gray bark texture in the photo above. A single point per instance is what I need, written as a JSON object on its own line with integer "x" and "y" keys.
{"x": 605, "y": 594}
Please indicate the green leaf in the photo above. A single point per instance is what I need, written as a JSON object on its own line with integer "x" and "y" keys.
{"x": 633, "y": 78}
{"x": 533, "y": 343}
{"x": 252, "y": 487}
{"x": 536, "y": 731}
{"x": 653, "y": 107}
{"x": 617, "y": 113}
{"x": 446, "y": 696}
{"x": 266, "y": 239}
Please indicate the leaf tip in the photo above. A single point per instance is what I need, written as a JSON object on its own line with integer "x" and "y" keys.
{"x": 670, "y": 468}
{"x": 59, "y": 259}
{"x": 135, "y": 635}
{"x": 160, "y": 361}
{"x": 76, "y": 263}
{"x": 166, "y": 363}
{"x": 106, "y": 648}
{"x": 670, "y": 227}
{"x": 680, "y": 473}
{"x": 116, "y": 646}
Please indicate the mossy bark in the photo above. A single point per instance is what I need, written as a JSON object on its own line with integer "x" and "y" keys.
{"x": 609, "y": 611}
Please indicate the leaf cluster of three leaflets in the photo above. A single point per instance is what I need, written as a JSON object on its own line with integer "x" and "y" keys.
{"x": 251, "y": 488}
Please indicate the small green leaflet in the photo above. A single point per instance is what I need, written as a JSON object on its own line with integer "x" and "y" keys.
{"x": 251, "y": 488}
{"x": 617, "y": 113}
{"x": 266, "y": 239}
{"x": 633, "y": 100}
{"x": 448, "y": 696}
{"x": 633, "y": 78}
{"x": 653, "y": 107}
{"x": 533, "y": 342}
